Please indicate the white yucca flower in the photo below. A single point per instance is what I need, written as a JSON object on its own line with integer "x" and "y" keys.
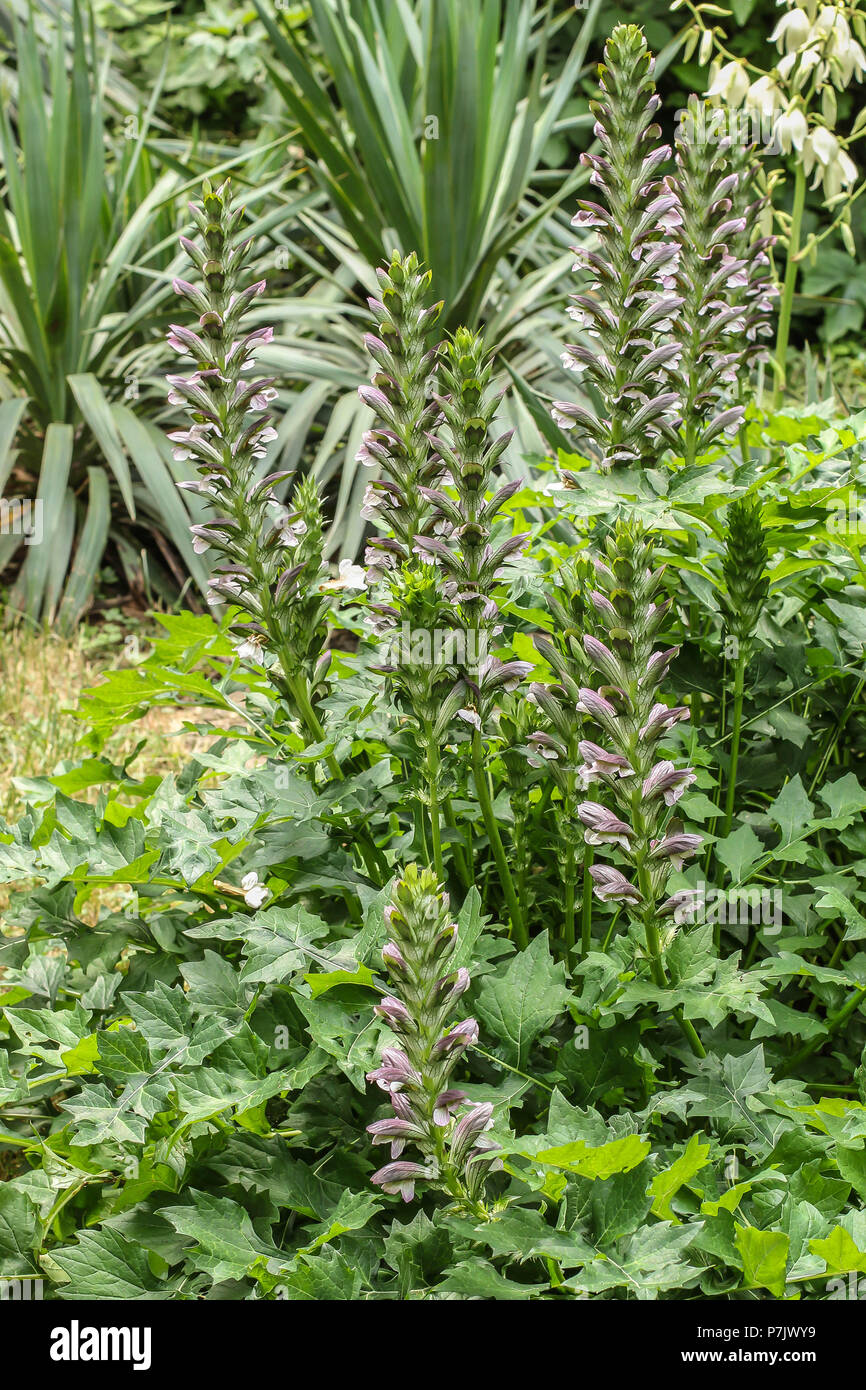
{"x": 764, "y": 97}
{"x": 832, "y": 167}
{"x": 792, "y": 31}
{"x": 791, "y": 130}
{"x": 730, "y": 84}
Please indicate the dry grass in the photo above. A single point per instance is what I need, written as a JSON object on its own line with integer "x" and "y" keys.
{"x": 41, "y": 679}
{"x": 39, "y": 676}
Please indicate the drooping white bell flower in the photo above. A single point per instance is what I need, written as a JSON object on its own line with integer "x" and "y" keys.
{"x": 792, "y": 31}
{"x": 791, "y": 130}
{"x": 764, "y": 97}
{"x": 832, "y": 166}
{"x": 729, "y": 84}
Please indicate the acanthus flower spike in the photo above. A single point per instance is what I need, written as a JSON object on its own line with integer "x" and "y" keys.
{"x": 628, "y": 304}
{"x": 569, "y": 599}
{"x": 268, "y": 554}
{"x": 469, "y": 553}
{"x": 418, "y": 1076}
{"x": 400, "y": 395}
{"x": 703, "y": 274}
{"x": 747, "y": 586}
{"x": 633, "y": 819}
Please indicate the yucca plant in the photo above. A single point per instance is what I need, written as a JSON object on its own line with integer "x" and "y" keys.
{"x": 437, "y": 131}
{"x": 425, "y": 127}
{"x": 84, "y": 287}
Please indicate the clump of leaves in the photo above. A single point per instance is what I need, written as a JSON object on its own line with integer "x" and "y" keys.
{"x": 84, "y": 290}
{"x": 209, "y": 967}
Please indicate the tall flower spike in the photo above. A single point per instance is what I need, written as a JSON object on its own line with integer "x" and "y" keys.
{"x": 409, "y": 607}
{"x": 637, "y": 791}
{"x": 400, "y": 395}
{"x": 556, "y": 746}
{"x": 464, "y": 550}
{"x": 627, "y": 309}
{"x": 747, "y": 583}
{"x": 706, "y": 275}
{"x": 270, "y": 555}
{"x": 753, "y": 294}
{"x": 746, "y": 587}
{"x": 568, "y": 604}
{"x": 471, "y": 563}
{"x": 417, "y": 1075}
{"x": 301, "y": 593}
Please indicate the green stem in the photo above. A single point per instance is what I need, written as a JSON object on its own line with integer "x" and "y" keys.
{"x": 791, "y": 270}
{"x": 651, "y": 932}
{"x": 694, "y": 625}
{"x": 610, "y": 931}
{"x": 657, "y": 964}
{"x": 352, "y": 907}
{"x": 374, "y": 861}
{"x": 420, "y": 834}
{"x": 739, "y": 684}
{"x": 688, "y": 1031}
{"x": 586, "y": 903}
{"x": 432, "y": 787}
{"x": 691, "y": 445}
{"x": 829, "y": 1089}
{"x": 752, "y": 951}
{"x": 464, "y": 869}
{"x": 570, "y": 862}
{"x": 722, "y": 725}
{"x": 825, "y": 759}
{"x": 484, "y": 800}
{"x": 832, "y": 962}
{"x": 301, "y": 693}
{"x": 834, "y": 1023}
{"x": 650, "y": 926}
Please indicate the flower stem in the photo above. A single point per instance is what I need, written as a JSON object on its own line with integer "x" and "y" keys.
{"x": 657, "y": 967}
{"x": 688, "y": 1031}
{"x": 464, "y": 868}
{"x": 483, "y": 792}
{"x": 739, "y": 682}
{"x": 569, "y": 863}
{"x": 301, "y": 693}
{"x": 651, "y": 931}
{"x": 834, "y": 1023}
{"x": 432, "y": 787}
{"x": 374, "y": 860}
{"x": 569, "y": 908}
{"x": 421, "y": 834}
{"x": 586, "y": 903}
{"x": 791, "y": 270}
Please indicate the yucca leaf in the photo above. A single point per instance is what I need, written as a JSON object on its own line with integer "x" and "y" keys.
{"x": 467, "y": 194}
{"x": 59, "y": 555}
{"x": 147, "y": 449}
{"x": 96, "y": 412}
{"x": 29, "y": 592}
{"x": 9, "y": 545}
{"x": 42, "y": 378}
{"x": 541, "y": 416}
{"x": 89, "y": 551}
{"x": 36, "y": 213}
{"x": 10, "y": 418}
